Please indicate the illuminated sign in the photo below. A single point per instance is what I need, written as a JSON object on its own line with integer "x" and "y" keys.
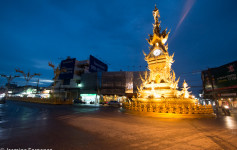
{"x": 88, "y": 94}
{"x": 228, "y": 94}
{"x": 222, "y": 77}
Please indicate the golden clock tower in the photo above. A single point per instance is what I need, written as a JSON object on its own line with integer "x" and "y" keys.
{"x": 161, "y": 82}
{"x": 158, "y": 91}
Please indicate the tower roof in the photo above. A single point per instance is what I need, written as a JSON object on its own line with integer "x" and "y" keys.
{"x": 157, "y": 34}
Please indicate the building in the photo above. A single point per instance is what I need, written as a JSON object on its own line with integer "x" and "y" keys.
{"x": 220, "y": 84}
{"x": 89, "y": 87}
{"x": 69, "y": 82}
{"x": 120, "y": 85}
{"x": 107, "y": 86}
{"x": 90, "y": 81}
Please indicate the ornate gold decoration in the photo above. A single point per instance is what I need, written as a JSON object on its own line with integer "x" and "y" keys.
{"x": 159, "y": 89}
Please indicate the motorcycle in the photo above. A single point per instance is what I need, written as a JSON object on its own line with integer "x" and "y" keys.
{"x": 226, "y": 110}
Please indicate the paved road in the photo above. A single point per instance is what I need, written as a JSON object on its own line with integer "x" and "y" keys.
{"x": 26, "y": 125}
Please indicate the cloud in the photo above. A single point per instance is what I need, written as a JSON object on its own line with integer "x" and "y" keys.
{"x": 34, "y": 80}
{"x": 42, "y": 80}
{"x": 41, "y": 64}
{"x": 36, "y": 83}
{"x": 46, "y": 80}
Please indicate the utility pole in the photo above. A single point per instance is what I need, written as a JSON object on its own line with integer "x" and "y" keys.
{"x": 27, "y": 76}
{"x": 56, "y": 72}
{"x": 213, "y": 89}
{"x": 37, "y": 87}
{"x": 9, "y": 80}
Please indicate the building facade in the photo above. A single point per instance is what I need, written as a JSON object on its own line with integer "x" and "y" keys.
{"x": 72, "y": 71}
{"x": 106, "y": 86}
{"x": 89, "y": 81}
{"x": 220, "y": 84}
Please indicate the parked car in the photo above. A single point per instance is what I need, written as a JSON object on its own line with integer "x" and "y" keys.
{"x": 78, "y": 101}
{"x": 113, "y": 103}
{"x": 103, "y": 102}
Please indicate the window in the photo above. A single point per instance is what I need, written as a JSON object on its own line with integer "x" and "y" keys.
{"x": 66, "y": 82}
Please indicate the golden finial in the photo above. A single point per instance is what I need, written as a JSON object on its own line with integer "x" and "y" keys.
{"x": 156, "y": 13}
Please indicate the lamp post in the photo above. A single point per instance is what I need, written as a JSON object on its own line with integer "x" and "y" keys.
{"x": 27, "y": 76}
{"x": 9, "y": 80}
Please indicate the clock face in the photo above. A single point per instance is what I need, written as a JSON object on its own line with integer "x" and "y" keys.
{"x": 157, "y": 52}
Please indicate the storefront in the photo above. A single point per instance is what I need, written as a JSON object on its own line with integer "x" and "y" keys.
{"x": 90, "y": 98}
{"x": 220, "y": 84}
{"x": 228, "y": 98}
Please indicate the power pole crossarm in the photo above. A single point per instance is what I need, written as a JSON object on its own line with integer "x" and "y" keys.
{"x": 9, "y": 79}
{"x": 27, "y": 76}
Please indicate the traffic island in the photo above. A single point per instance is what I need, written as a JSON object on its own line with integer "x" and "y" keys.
{"x": 167, "y": 110}
{"x": 53, "y": 101}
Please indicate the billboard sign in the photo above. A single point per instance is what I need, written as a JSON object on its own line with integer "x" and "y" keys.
{"x": 223, "y": 77}
{"x": 68, "y": 69}
{"x": 96, "y": 65}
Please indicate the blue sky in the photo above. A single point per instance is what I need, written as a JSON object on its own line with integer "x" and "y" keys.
{"x": 203, "y": 34}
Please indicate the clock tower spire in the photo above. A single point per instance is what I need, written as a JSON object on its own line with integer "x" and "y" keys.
{"x": 158, "y": 91}
{"x": 159, "y": 61}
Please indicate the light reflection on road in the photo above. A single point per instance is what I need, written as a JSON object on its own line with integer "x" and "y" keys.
{"x": 28, "y": 115}
{"x": 1, "y": 113}
{"x": 1, "y": 121}
{"x": 19, "y": 118}
{"x": 230, "y": 122}
{"x": 27, "y": 124}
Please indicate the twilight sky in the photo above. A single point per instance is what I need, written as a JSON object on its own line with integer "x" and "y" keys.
{"x": 203, "y": 34}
